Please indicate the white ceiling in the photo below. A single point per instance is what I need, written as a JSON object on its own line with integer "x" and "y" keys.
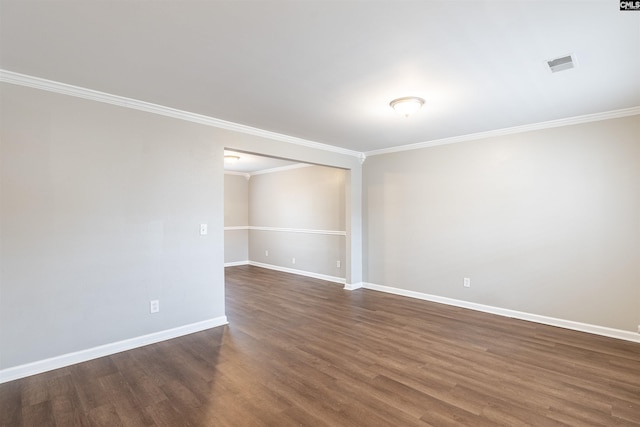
{"x": 325, "y": 71}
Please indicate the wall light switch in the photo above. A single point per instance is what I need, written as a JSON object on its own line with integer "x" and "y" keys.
{"x": 203, "y": 229}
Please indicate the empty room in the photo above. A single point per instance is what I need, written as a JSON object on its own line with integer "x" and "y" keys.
{"x": 319, "y": 213}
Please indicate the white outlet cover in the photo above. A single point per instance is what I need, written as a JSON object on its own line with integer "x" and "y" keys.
{"x": 203, "y": 229}
{"x": 154, "y": 306}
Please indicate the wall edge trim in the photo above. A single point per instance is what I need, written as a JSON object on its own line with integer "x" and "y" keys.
{"x": 615, "y": 114}
{"x": 286, "y": 230}
{"x": 299, "y": 230}
{"x": 19, "y": 79}
{"x": 537, "y": 318}
{"x": 320, "y": 276}
{"x": 56, "y": 362}
{"x": 236, "y": 263}
{"x": 281, "y": 169}
{"x": 243, "y": 174}
{"x": 107, "y": 98}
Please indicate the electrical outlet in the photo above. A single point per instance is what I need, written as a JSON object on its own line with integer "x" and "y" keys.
{"x": 266, "y": 252}
{"x": 203, "y": 229}
{"x": 293, "y": 260}
{"x": 154, "y": 306}
{"x": 338, "y": 263}
{"x": 639, "y": 329}
{"x": 466, "y": 282}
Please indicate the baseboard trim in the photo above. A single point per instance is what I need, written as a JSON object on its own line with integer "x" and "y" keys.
{"x": 551, "y": 321}
{"x": 68, "y": 359}
{"x": 299, "y": 272}
{"x": 236, "y": 263}
{"x": 353, "y": 286}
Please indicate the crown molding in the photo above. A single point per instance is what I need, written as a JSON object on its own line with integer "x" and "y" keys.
{"x": 107, "y": 98}
{"x": 281, "y": 169}
{"x": 512, "y": 130}
{"x": 244, "y": 174}
{"x": 94, "y": 95}
{"x": 248, "y": 175}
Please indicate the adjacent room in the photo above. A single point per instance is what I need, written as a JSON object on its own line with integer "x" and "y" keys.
{"x": 284, "y": 215}
{"x": 273, "y": 213}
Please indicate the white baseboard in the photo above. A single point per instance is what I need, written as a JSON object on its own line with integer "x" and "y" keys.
{"x": 299, "y": 272}
{"x": 68, "y": 359}
{"x": 353, "y": 286}
{"x": 552, "y": 321}
{"x": 236, "y": 263}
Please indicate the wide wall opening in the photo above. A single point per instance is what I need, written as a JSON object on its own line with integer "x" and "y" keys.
{"x": 285, "y": 215}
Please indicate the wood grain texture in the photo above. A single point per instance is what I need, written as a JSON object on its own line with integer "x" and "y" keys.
{"x": 303, "y": 352}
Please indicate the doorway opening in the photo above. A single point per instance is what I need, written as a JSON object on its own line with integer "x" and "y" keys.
{"x": 285, "y": 215}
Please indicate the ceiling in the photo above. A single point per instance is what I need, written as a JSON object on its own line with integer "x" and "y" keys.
{"x": 248, "y": 163}
{"x": 325, "y": 71}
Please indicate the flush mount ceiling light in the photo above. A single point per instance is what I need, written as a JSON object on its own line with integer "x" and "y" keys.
{"x": 407, "y": 105}
{"x": 231, "y": 159}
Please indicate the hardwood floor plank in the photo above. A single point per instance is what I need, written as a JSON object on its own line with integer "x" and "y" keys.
{"x": 65, "y": 403}
{"x": 143, "y": 386}
{"x": 105, "y": 416}
{"x": 165, "y": 414}
{"x": 304, "y": 352}
{"x": 38, "y": 414}
{"x": 11, "y": 403}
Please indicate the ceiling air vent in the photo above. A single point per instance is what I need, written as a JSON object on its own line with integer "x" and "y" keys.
{"x": 561, "y": 64}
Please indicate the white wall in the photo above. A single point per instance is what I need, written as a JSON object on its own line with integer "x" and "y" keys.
{"x": 236, "y": 219}
{"x": 304, "y": 210}
{"x": 544, "y": 222}
{"x": 307, "y": 153}
{"x": 100, "y": 209}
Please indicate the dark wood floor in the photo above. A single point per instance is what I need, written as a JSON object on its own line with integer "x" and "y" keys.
{"x": 300, "y": 351}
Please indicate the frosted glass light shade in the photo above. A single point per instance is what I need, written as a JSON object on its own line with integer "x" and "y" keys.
{"x": 231, "y": 159}
{"x": 407, "y": 105}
